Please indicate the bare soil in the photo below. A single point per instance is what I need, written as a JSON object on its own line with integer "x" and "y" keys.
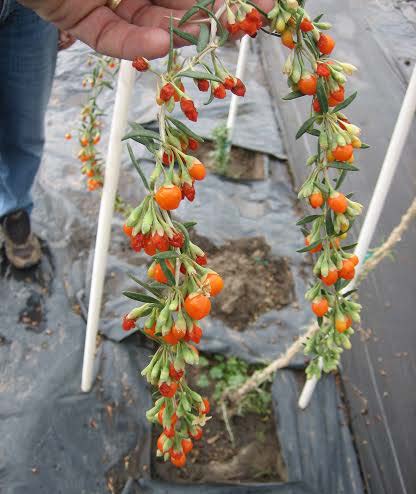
{"x": 255, "y": 281}
{"x": 244, "y": 164}
{"x": 255, "y": 457}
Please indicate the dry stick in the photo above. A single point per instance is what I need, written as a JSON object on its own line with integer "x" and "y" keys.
{"x": 260, "y": 376}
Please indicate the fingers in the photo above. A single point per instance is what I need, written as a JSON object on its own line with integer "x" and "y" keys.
{"x": 107, "y": 33}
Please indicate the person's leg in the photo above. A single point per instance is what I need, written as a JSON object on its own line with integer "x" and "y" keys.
{"x": 28, "y": 47}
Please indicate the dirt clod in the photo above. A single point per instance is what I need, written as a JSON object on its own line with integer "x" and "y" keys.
{"x": 255, "y": 281}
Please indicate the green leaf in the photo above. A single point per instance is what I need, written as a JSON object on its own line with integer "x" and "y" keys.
{"x": 308, "y": 219}
{"x": 262, "y": 12}
{"x": 195, "y": 74}
{"x": 321, "y": 95}
{"x": 170, "y": 59}
{"x": 313, "y": 132}
{"x": 141, "y": 297}
{"x": 343, "y": 166}
{"x": 306, "y": 125}
{"x": 189, "y": 224}
{"x": 350, "y": 247}
{"x": 186, "y": 36}
{"x": 345, "y": 103}
{"x": 329, "y": 225}
{"x": 203, "y": 38}
{"x": 364, "y": 146}
{"x": 194, "y": 10}
{"x": 139, "y": 131}
{"x": 167, "y": 272}
{"x": 137, "y": 166}
{"x": 307, "y": 248}
{"x": 350, "y": 292}
{"x": 169, "y": 254}
{"x": 145, "y": 285}
{"x": 183, "y": 128}
{"x": 323, "y": 188}
{"x": 341, "y": 179}
{"x": 293, "y": 95}
{"x": 318, "y": 18}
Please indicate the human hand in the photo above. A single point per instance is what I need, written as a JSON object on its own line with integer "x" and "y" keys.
{"x": 135, "y": 28}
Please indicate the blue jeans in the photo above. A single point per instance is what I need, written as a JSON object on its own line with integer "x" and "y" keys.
{"x": 28, "y": 48}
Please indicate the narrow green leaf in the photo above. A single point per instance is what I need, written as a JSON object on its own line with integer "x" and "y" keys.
{"x": 170, "y": 59}
{"x": 183, "y": 128}
{"x": 194, "y": 10}
{"x": 306, "y": 125}
{"x": 308, "y": 219}
{"x": 341, "y": 179}
{"x": 350, "y": 292}
{"x": 329, "y": 225}
{"x": 189, "y": 224}
{"x": 195, "y": 74}
{"x": 313, "y": 132}
{"x": 145, "y": 285}
{"x": 323, "y": 188}
{"x": 167, "y": 272}
{"x": 345, "y": 103}
{"x": 186, "y": 36}
{"x": 141, "y": 297}
{"x": 293, "y": 95}
{"x": 342, "y": 166}
{"x": 364, "y": 146}
{"x": 321, "y": 95}
{"x": 203, "y": 38}
{"x": 320, "y": 321}
{"x": 169, "y": 254}
{"x": 350, "y": 247}
{"x": 304, "y": 231}
{"x": 318, "y": 18}
{"x": 147, "y": 134}
{"x": 307, "y": 248}
{"x": 137, "y": 166}
{"x": 262, "y": 12}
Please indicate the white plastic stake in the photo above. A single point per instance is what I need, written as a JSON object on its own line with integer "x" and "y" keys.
{"x": 391, "y": 161}
{"x": 112, "y": 170}
{"x": 241, "y": 63}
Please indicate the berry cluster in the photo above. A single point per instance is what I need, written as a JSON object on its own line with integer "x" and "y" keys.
{"x": 246, "y": 19}
{"x": 312, "y": 71}
{"x": 89, "y": 134}
{"x": 180, "y": 284}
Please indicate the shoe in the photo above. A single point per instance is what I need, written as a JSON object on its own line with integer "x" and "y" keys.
{"x": 22, "y": 247}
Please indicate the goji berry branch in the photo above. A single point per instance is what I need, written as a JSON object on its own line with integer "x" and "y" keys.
{"x": 181, "y": 286}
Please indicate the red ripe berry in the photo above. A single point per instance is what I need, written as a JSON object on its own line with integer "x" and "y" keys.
{"x": 149, "y": 246}
{"x": 323, "y": 70}
{"x": 168, "y": 390}
{"x": 203, "y": 85}
{"x": 197, "y": 434}
{"x": 206, "y": 407}
{"x": 137, "y": 242}
{"x": 188, "y": 191}
{"x": 195, "y": 334}
{"x": 177, "y": 240}
{"x": 167, "y": 159}
{"x": 239, "y": 88}
{"x": 219, "y": 91}
{"x": 193, "y": 144}
{"x": 188, "y": 108}
{"x": 202, "y": 260}
{"x": 229, "y": 82}
{"x": 248, "y": 26}
{"x": 233, "y": 28}
{"x": 316, "y": 106}
{"x": 167, "y": 92}
{"x": 176, "y": 95}
{"x": 169, "y": 432}
{"x": 306, "y": 25}
{"x": 140, "y": 64}
{"x": 176, "y": 375}
{"x": 326, "y": 44}
{"x": 254, "y": 16}
{"x": 161, "y": 242}
{"x": 127, "y": 230}
{"x": 128, "y": 324}
{"x": 183, "y": 269}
